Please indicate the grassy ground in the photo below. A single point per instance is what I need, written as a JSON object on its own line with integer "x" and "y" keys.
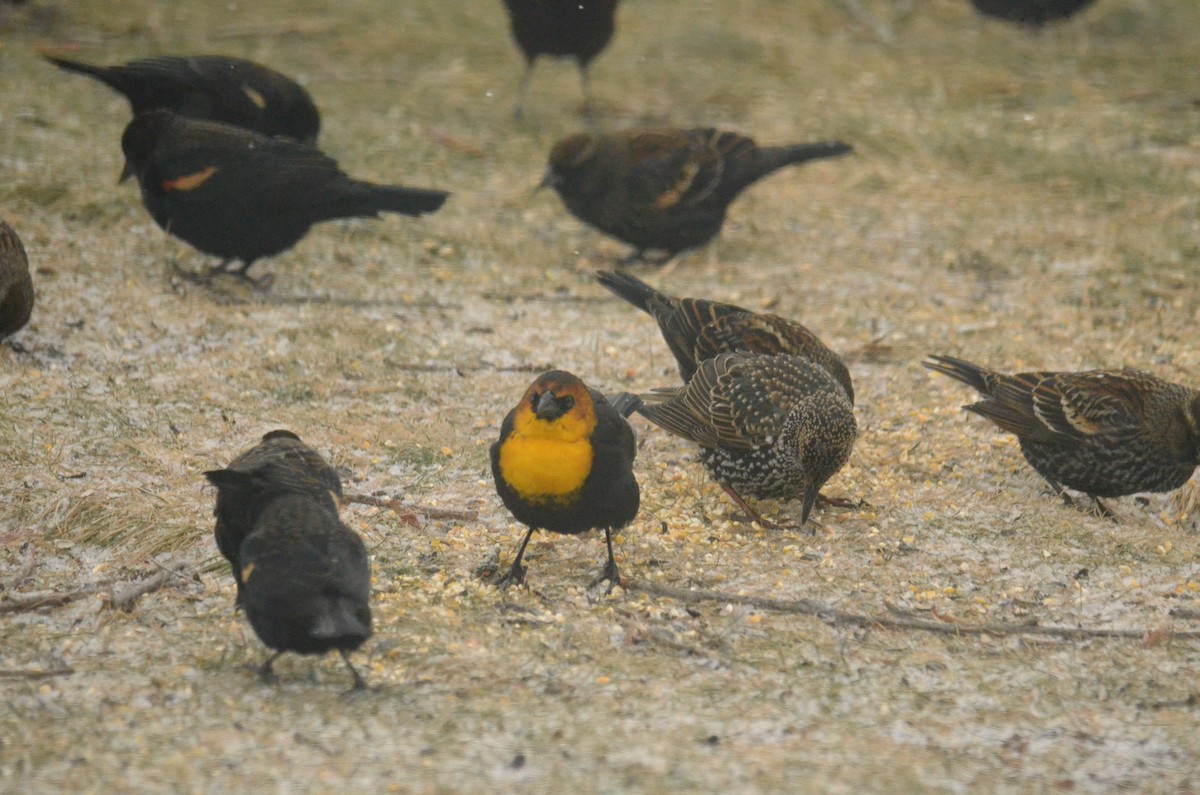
{"x": 1024, "y": 200}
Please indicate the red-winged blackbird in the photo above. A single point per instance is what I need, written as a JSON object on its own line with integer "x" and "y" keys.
{"x": 577, "y": 29}
{"x": 239, "y": 195}
{"x": 564, "y": 463}
{"x": 303, "y": 577}
{"x": 1106, "y": 433}
{"x": 696, "y": 329}
{"x": 212, "y": 88}
{"x": 280, "y": 463}
{"x": 665, "y": 189}
{"x": 768, "y": 426}
{"x": 1034, "y": 13}
{"x": 16, "y": 285}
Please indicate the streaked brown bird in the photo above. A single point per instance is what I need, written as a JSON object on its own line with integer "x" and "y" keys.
{"x": 768, "y": 426}
{"x": 239, "y": 195}
{"x": 665, "y": 189}
{"x": 576, "y": 29}
{"x": 697, "y": 329}
{"x": 1032, "y": 13}
{"x": 1106, "y": 433}
{"x": 303, "y": 577}
{"x": 211, "y": 88}
{"x": 280, "y": 463}
{"x": 16, "y": 283}
{"x": 564, "y": 463}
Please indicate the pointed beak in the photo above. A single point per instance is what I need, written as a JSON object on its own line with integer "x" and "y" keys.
{"x": 126, "y": 172}
{"x": 547, "y": 407}
{"x": 549, "y": 179}
{"x": 810, "y": 499}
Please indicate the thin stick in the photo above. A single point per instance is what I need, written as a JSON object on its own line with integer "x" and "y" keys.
{"x": 123, "y": 595}
{"x": 944, "y": 627}
{"x": 17, "y": 674}
{"x": 407, "y": 512}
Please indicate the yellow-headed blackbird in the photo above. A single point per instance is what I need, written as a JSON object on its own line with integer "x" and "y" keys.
{"x": 239, "y": 195}
{"x": 212, "y": 88}
{"x": 697, "y": 329}
{"x": 303, "y": 577}
{"x": 768, "y": 426}
{"x": 1034, "y": 13}
{"x": 665, "y": 189}
{"x": 578, "y": 29}
{"x": 280, "y": 463}
{"x": 1106, "y": 433}
{"x": 16, "y": 285}
{"x": 564, "y": 463}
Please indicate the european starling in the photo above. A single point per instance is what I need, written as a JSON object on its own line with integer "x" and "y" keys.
{"x": 279, "y": 464}
{"x": 697, "y": 329}
{"x": 303, "y": 577}
{"x": 577, "y": 29}
{"x": 564, "y": 463}
{"x": 1106, "y": 433}
{"x": 211, "y": 88}
{"x": 16, "y": 285}
{"x": 768, "y": 426}
{"x": 239, "y": 195}
{"x": 665, "y": 189}
{"x": 1033, "y": 13}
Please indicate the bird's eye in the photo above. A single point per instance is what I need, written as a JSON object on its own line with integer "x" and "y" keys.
{"x": 534, "y": 398}
{"x": 567, "y": 403}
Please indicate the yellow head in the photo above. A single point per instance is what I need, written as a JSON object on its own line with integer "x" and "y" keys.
{"x": 548, "y": 454}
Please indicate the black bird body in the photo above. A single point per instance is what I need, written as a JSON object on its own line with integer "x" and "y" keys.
{"x": 211, "y": 88}
{"x": 16, "y": 283}
{"x": 239, "y": 195}
{"x": 1106, "y": 433}
{"x": 279, "y": 464}
{"x": 696, "y": 329}
{"x": 665, "y": 189}
{"x": 577, "y": 29}
{"x": 1034, "y": 13}
{"x": 768, "y": 426}
{"x": 564, "y": 463}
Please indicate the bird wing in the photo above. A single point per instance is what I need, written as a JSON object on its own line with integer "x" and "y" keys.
{"x": 722, "y": 406}
{"x": 1085, "y": 404}
{"x": 676, "y": 167}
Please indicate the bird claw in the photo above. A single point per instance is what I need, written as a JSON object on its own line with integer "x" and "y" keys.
{"x": 514, "y": 576}
{"x": 610, "y": 573}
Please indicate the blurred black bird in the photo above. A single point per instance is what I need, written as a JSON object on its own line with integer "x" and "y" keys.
{"x": 665, "y": 189}
{"x": 280, "y": 463}
{"x": 578, "y": 29}
{"x": 211, "y": 88}
{"x": 1033, "y": 13}
{"x": 564, "y": 463}
{"x": 768, "y": 426}
{"x": 239, "y": 195}
{"x": 697, "y": 329}
{"x": 303, "y": 577}
{"x": 16, "y": 284}
{"x": 1106, "y": 433}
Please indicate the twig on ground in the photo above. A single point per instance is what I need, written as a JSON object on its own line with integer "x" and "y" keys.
{"x": 24, "y": 602}
{"x": 942, "y": 627}
{"x": 123, "y": 595}
{"x": 36, "y": 674}
{"x": 408, "y": 513}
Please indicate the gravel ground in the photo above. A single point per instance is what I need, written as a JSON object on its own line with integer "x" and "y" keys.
{"x": 1024, "y": 200}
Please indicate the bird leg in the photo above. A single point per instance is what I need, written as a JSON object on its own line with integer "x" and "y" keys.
{"x": 359, "y": 682}
{"x": 610, "y": 572}
{"x": 266, "y": 672}
{"x": 589, "y": 107}
{"x": 516, "y": 572}
{"x": 1099, "y": 508}
{"x": 523, "y": 91}
{"x": 754, "y": 515}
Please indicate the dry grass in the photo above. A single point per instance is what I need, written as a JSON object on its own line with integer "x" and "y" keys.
{"x": 1025, "y": 200}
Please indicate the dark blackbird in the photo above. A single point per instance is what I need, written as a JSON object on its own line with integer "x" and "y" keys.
{"x": 697, "y": 329}
{"x": 303, "y": 577}
{"x": 211, "y": 88}
{"x": 768, "y": 426}
{"x": 16, "y": 285}
{"x": 1106, "y": 433}
{"x": 564, "y": 463}
{"x": 239, "y": 195}
{"x": 577, "y": 29}
{"x": 1034, "y": 13}
{"x": 665, "y": 189}
{"x": 280, "y": 463}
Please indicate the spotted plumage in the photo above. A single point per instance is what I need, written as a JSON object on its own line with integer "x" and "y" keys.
{"x": 696, "y": 329}
{"x": 1106, "y": 433}
{"x": 665, "y": 189}
{"x": 768, "y": 426}
{"x": 564, "y": 463}
{"x": 16, "y": 284}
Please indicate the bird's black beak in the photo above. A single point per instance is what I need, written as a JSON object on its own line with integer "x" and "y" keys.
{"x": 126, "y": 172}
{"x": 810, "y": 499}
{"x": 548, "y": 407}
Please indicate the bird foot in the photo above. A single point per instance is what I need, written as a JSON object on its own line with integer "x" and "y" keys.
{"x": 17, "y": 347}
{"x": 840, "y": 502}
{"x": 611, "y": 574}
{"x": 514, "y": 576}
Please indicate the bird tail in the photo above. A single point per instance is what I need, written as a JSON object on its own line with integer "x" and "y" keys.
{"x": 104, "y": 74}
{"x": 625, "y": 403}
{"x": 630, "y": 288}
{"x": 772, "y": 158}
{"x": 979, "y": 378}
{"x": 340, "y": 621}
{"x": 368, "y": 198}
